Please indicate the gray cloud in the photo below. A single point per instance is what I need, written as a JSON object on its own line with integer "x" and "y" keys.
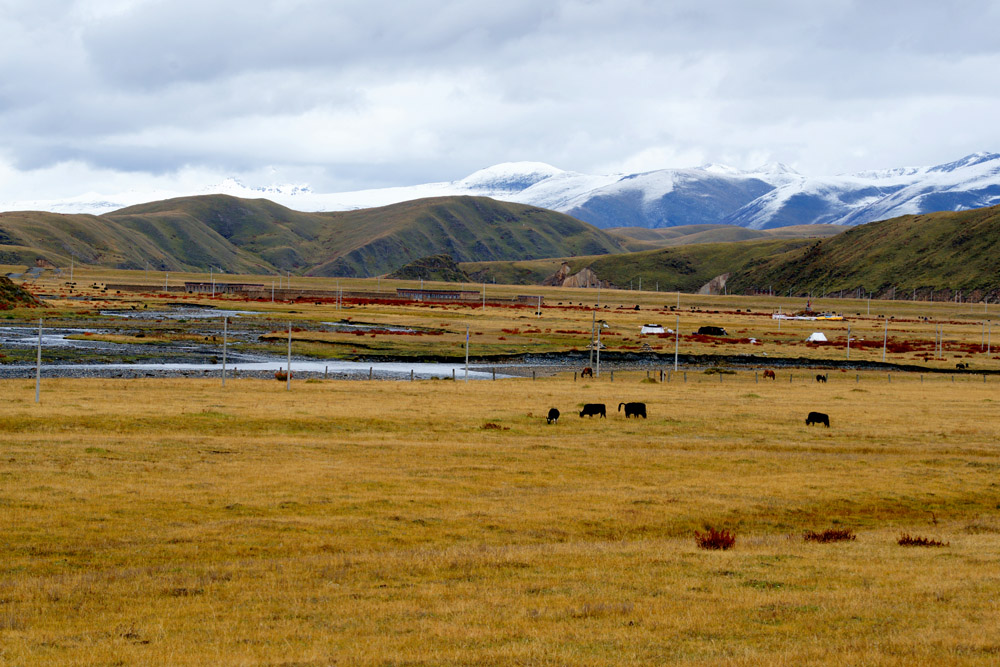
{"x": 354, "y": 93}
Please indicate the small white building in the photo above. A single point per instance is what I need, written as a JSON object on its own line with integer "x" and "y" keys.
{"x": 651, "y": 329}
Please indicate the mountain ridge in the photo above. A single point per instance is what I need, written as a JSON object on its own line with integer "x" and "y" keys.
{"x": 769, "y": 196}
{"x": 261, "y": 236}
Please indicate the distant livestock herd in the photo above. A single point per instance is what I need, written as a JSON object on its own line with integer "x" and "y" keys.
{"x": 594, "y": 409}
{"x": 634, "y": 409}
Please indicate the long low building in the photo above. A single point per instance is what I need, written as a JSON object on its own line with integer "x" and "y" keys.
{"x": 260, "y": 291}
{"x": 222, "y": 288}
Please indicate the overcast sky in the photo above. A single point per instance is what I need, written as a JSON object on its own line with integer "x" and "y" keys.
{"x": 110, "y": 95}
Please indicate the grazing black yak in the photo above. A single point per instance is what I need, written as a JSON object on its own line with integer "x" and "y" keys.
{"x": 591, "y": 409}
{"x": 818, "y": 418}
{"x": 553, "y": 416}
{"x": 633, "y": 409}
{"x": 821, "y": 378}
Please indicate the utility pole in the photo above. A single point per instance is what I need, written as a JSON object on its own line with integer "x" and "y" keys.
{"x": 885, "y": 337}
{"x": 225, "y": 332}
{"x": 38, "y": 366}
{"x": 677, "y": 340}
{"x": 593, "y": 325}
{"x": 599, "y": 349}
{"x": 466, "y": 352}
{"x": 288, "y": 368}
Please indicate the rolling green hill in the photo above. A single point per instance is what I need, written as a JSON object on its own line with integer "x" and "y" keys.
{"x": 378, "y": 240}
{"x": 936, "y": 253}
{"x": 441, "y": 268}
{"x": 639, "y": 238}
{"x": 686, "y": 267}
{"x": 516, "y": 244}
{"x": 259, "y": 236}
{"x": 948, "y": 251}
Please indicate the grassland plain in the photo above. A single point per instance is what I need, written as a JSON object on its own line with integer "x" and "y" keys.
{"x": 175, "y": 522}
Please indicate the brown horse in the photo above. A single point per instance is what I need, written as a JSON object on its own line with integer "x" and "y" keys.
{"x": 588, "y": 371}
{"x": 770, "y": 374}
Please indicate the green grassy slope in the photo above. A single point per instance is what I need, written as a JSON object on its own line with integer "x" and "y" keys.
{"x": 637, "y": 238}
{"x": 213, "y": 228}
{"x": 14, "y": 296}
{"x": 259, "y": 236}
{"x": 685, "y": 267}
{"x": 378, "y": 240}
{"x": 938, "y": 251}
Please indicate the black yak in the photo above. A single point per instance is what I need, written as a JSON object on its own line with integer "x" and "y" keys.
{"x": 633, "y": 409}
{"x": 818, "y": 418}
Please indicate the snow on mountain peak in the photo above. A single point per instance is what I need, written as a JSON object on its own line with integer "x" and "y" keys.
{"x": 509, "y": 176}
{"x": 774, "y": 168}
{"x": 236, "y": 187}
{"x": 968, "y": 161}
{"x": 720, "y": 169}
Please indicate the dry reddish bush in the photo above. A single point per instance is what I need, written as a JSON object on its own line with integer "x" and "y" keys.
{"x": 491, "y": 426}
{"x": 715, "y": 539}
{"x": 905, "y": 540}
{"x": 830, "y": 535}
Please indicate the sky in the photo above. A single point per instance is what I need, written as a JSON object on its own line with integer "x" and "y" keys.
{"x": 105, "y": 96}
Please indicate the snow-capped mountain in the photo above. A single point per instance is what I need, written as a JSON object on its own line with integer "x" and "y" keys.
{"x": 770, "y": 196}
{"x": 972, "y": 182}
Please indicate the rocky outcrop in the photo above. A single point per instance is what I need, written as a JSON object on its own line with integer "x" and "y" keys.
{"x": 583, "y": 278}
{"x": 716, "y": 285}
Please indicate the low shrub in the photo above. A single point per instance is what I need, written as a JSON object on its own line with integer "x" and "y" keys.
{"x": 715, "y": 539}
{"x": 492, "y": 426}
{"x": 906, "y": 540}
{"x": 830, "y": 535}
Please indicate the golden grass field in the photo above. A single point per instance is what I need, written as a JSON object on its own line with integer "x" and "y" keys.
{"x": 175, "y": 522}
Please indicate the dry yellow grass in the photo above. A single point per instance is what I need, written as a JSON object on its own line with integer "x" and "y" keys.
{"x": 176, "y": 522}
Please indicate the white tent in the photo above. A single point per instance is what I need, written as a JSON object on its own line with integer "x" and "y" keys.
{"x": 816, "y": 337}
{"x": 651, "y": 329}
